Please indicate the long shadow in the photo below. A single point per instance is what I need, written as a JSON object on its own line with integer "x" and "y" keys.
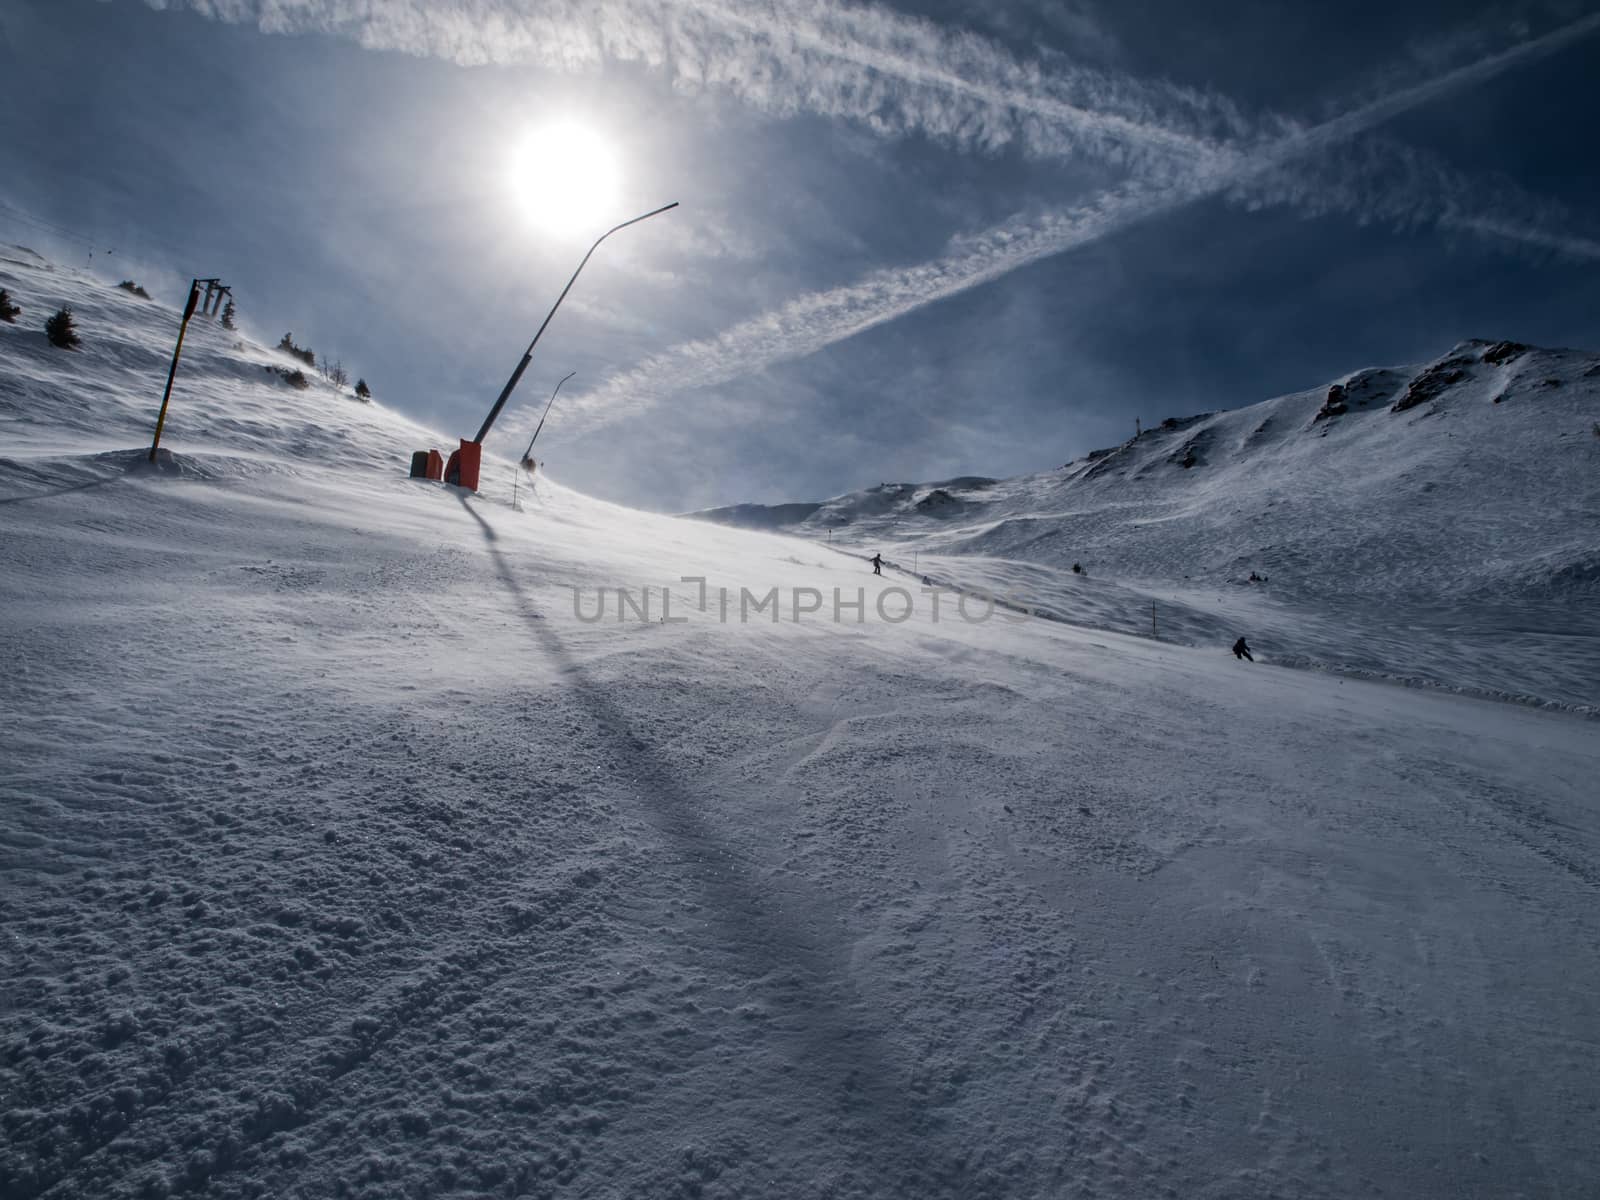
{"x": 77, "y": 487}
{"x": 26, "y": 471}
{"x": 842, "y": 1056}
{"x": 122, "y": 463}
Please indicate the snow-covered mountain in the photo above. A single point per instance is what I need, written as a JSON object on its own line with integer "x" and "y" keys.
{"x": 349, "y": 847}
{"x": 1388, "y": 518}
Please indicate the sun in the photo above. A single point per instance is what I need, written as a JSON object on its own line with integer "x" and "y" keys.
{"x": 565, "y": 177}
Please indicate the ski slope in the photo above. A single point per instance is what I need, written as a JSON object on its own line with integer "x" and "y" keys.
{"x": 343, "y": 854}
{"x": 1435, "y": 524}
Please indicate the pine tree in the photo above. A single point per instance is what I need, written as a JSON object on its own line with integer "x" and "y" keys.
{"x": 8, "y": 310}
{"x": 60, "y": 329}
{"x": 227, "y": 316}
{"x": 304, "y": 354}
{"x": 363, "y": 392}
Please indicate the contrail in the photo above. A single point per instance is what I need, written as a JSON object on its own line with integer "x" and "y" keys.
{"x": 1380, "y": 110}
{"x": 901, "y": 75}
{"x": 1567, "y": 244}
{"x": 814, "y": 321}
{"x": 896, "y": 73}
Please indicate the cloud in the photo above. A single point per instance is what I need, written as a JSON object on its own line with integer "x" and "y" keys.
{"x": 1378, "y": 181}
{"x": 901, "y": 75}
{"x": 895, "y": 73}
{"x": 814, "y": 321}
{"x": 1521, "y": 236}
{"x": 1394, "y": 102}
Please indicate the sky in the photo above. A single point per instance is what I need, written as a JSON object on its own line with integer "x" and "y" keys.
{"x": 913, "y": 241}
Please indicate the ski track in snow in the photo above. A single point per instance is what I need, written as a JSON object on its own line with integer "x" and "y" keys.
{"x": 341, "y": 858}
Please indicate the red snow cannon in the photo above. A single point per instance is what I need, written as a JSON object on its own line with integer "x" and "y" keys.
{"x": 427, "y": 464}
{"x": 462, "y": 469}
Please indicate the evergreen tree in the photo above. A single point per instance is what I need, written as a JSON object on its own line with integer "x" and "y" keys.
{"x": 60, "y": 329}
{"x": 227, "y": 316}
{"x": 8, "y": 310}
{"x": 362, "y": 390}
{"x": 304, "y": 354}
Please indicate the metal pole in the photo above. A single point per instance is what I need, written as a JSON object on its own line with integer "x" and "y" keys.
{"x": 528, "y": 455}
{"x": 505, "y": 392}
{"x": 188, "y": 311}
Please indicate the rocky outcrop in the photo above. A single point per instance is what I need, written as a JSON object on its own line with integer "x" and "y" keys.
{"x": 1428, "y": 385}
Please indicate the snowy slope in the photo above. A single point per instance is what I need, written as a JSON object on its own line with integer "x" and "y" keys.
{"x": 342, "y": 856}
{"x": 1437, "y": 523}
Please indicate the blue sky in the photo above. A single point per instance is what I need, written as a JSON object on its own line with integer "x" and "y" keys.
{"x": 913, "y": 241}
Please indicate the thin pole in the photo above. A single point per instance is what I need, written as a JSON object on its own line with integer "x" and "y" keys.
{"x": 188, "y": 311}
{"x": 1153, "y": 620}
{"x": 505, "y": 392}
{"x": 529, "y": 453}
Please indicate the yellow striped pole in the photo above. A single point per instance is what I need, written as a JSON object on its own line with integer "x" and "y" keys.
{"x": 188, "y": 311}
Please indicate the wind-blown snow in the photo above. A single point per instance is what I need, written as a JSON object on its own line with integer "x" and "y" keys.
{"x": 341, "y": 856}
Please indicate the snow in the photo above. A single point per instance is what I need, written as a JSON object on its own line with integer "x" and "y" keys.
{"x": 343, "y": 856}
{"x": 1451, "y": 543}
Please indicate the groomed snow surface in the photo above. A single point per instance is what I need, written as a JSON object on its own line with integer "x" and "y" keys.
{"x": 342, "y": 856}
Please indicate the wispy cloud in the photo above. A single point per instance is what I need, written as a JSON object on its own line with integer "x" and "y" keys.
{"x": 1385, "y": 181}
{"x": 1391, "y": 104}
{"x": 900, "y": 75}
{"x": 816, "y": 320}
{"x": 894, "y": 73}
{"x": 1380, "y": 181}
{"x": 819, "y": 319}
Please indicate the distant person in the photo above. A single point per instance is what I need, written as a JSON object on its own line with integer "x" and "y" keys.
{"x": 877, "y": 564}
{"x": 1240, "y": 650}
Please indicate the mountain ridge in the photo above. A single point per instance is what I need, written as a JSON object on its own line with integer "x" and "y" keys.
{"x": 1362, "y": 525}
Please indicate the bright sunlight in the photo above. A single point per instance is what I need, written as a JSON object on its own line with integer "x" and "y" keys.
{"x": 565, "y": 177}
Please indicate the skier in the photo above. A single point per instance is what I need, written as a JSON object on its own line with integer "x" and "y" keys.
{"x": 1240, "y": 650}
{"x": 877, "y": 564}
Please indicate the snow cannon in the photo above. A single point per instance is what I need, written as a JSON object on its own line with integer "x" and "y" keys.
{"x": 464, "y": 462}
{"x": 427, "y": 464}
{"x": 462, "y": 468}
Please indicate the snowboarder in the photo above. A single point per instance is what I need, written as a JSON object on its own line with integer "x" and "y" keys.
{"x": 1240, "y": 650}
{"x": 877, "y": 564}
